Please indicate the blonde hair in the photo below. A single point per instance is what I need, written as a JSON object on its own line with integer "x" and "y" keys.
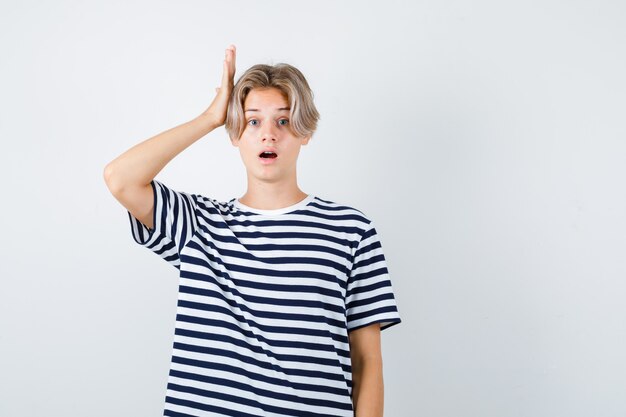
{"x": 286, "y": 78}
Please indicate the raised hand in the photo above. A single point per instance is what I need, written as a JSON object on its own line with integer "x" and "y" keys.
{"x": 219, "y": 105}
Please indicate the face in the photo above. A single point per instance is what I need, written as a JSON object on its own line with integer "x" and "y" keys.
{"x": 268, "y": 127}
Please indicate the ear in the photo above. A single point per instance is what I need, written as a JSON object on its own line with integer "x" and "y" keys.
{"x": 235, "y": 142}
{"x": 305, "y": 140}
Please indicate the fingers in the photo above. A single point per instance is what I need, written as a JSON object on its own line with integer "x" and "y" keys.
{"x": 228, "y": 67}
{"x": 225, "y": 75}
{"x": 234, "y": 55}
{"x": 230, "y": 60}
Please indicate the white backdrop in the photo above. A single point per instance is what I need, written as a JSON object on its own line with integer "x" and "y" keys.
{"x": 486, "y": 139}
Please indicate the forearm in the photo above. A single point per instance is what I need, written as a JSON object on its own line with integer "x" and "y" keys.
{"x": 368, "y": 389}
{"x": 141, "y": 163}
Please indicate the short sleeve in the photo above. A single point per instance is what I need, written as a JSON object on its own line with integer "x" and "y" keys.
{"x": 369, "y": 295}
{"x": 174, "y": 222}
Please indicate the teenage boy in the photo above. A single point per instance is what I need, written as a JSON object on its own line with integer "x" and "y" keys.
{"x": 282, "y": 294}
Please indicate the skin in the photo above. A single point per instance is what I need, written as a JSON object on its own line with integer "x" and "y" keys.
{"x": 367, "y": 371}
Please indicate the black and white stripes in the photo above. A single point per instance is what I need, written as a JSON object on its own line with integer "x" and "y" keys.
{"x": 265, "y": 303}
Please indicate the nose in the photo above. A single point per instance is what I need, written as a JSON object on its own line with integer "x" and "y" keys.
{"x": 268, "y": 132}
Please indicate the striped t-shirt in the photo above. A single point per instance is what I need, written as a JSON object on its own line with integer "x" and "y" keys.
{"x": 265, "y": 302}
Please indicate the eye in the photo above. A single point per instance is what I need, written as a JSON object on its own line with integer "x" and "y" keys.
{"x": 283, "y": 120}
{"x": 252, "y": 120}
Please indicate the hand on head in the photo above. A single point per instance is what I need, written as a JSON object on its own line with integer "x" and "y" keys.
{"x": 219, "y": 105}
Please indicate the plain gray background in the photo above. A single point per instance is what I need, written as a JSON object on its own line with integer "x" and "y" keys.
{"x": 486, "y": 139}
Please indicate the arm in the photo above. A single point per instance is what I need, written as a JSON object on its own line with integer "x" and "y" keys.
{"x": 141, "y": 163}
{"x": 367, "y": 371}
{"x": 136, "y": 167}
{"x": 129, "y": 175}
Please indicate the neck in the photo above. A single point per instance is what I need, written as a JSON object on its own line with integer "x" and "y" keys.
{"x": 272, "y": 195}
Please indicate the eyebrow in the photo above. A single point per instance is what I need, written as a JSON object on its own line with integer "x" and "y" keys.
{"x": 281, "y": 108}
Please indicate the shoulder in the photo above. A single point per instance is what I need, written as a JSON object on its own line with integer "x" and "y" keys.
{"x": 343, "y": 212}
{"x": 198, "y": 200}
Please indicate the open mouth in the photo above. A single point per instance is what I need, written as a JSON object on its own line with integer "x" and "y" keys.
{"x": 268, "y": 154}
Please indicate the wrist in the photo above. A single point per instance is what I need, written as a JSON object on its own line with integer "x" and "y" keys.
{"x": 209, "y": 121}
